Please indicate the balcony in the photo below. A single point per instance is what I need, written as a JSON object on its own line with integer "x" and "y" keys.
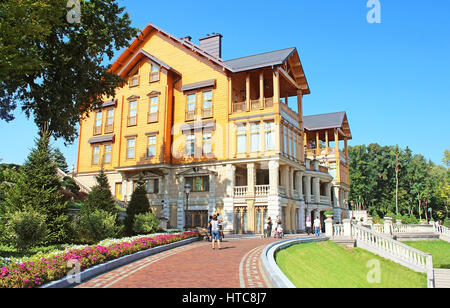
{"x": 256, "y": 104}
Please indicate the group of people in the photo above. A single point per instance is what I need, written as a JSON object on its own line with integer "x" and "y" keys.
{"x": 278, "y": 232}
{"x": 215, "y": 227}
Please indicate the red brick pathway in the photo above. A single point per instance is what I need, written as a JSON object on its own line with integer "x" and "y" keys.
{"x": 195, "y": 265}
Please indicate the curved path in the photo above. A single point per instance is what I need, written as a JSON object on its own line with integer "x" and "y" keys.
{"x": 195, "y": 265}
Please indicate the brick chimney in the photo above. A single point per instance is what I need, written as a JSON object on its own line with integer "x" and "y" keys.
{"x": 212, "y": 44}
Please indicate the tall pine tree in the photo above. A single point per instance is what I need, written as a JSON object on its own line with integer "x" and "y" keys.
{"x": 38, "y": 190}
{"x": 138, "y": 204}
{"x": 100, "y": 197}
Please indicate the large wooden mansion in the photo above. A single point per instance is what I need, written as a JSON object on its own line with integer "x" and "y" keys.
{"x": 186, "y": 116}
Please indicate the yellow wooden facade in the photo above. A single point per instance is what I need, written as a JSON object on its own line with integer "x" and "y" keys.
{"x": 229, "y": 90}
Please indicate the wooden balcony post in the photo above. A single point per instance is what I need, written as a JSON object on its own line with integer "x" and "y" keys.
{"x": 346, "y": 150}
{"x": 326, "y": 141}
{"x": 317, "y": 144}
{"x": 276, "y": 91}
{"x": 336, "y": 153}
{"x": 300, "y": 122}
{"x": 261, "y": 89}
{"x": 247, "y": 91}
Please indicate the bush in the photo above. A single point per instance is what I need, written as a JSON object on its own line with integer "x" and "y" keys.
{"x": 138, "y": 204}
{"x": 447, "y": 222}
{"x": 97, "y": 225}
{"x": 410, "y": 220}
{"x": 25, "y": 229}
{"x": 145, "y": 223}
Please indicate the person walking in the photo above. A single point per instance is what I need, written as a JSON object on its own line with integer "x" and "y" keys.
{"x": 209, "y": 226}
{"x": 220, "y": 220}
{"x": 215, "y": 231}
{"x": 268, "y": 230}
{"x": 308, "y": 225}
{"x": 317, "y": 227}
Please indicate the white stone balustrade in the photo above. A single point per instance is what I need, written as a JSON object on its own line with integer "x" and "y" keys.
{"x": 400, "y": 228}
{"x": 262, "y": 190}
{"x": 383, "y": 245}
{"x": 240, "y": 191}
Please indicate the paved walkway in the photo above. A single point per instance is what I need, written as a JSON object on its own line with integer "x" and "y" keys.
{"x": 195, "y": 265}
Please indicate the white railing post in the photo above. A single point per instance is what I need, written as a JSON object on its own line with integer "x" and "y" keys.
{"x": 388, "y": 225}
{"x": 430, "y": 271}
{"x": 329, "y": 227}
{"x": 347, "y": 227}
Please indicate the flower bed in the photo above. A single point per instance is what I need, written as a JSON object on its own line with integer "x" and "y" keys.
{"x": 43, "y": 268}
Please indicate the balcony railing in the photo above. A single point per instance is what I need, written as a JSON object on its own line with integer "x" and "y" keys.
{"x": 240, "y": 191}
{"x": 239, "y": 106}
{"x": 256, "y": 104}
{"x": 262, "y": 190}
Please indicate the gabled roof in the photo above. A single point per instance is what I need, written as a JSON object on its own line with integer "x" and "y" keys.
{"x": 267, "y": 59}
{"x": 327, "y": 121}
{"x": 138, "y": 56}
{"x": 276, "y": 57}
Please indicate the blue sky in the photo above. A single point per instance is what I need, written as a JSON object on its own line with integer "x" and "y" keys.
{"x": 391, "y": 78}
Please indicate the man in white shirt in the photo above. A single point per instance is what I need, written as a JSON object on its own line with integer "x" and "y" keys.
{"x": 317, "y": 226}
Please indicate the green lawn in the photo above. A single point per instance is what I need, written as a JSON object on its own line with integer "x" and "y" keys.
{"x": 440, "y": 250}
{"x": 330, "y": 265}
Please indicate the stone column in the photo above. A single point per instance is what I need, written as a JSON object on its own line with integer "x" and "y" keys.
{"x": 302, "y": 218}
{"x": 230, "y": 179}
{"x": 293, "y": 216}
{"x": 336, "y": 196}
{"x": 273, "y": 177}
{"x": 316, "y": 189}
{"x": 166, "y": 205}
{"x": 308, "y": 188}
{"x": 251, "y": 179}
{"x": 291, "y": 182}
{"x": 228, "y": 202}
{"x": 212, "y": 194}
{"x": 299, "y": 182}
{"x": 274, "y": 199}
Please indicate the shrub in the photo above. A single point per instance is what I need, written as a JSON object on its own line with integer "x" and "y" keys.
{"x": 447, "y": 222}
{"x": 25, "y": 229}
{"x": 145, "y": 223}
{"x": 97, "y": 225}
{"x": 138, "y": 205}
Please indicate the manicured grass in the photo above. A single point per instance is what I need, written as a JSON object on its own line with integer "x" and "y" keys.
{"x": 330, "y": 265}
{"x": 440, "y": 250}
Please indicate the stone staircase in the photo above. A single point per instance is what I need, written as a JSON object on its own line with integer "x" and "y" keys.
{"x": 441, "y": 278}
